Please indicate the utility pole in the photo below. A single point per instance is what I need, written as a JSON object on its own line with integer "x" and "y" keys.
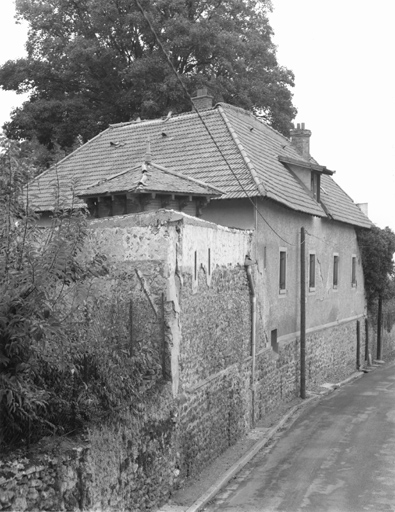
{"x": 379, "y": 328}
{"x": 302, "y": 314}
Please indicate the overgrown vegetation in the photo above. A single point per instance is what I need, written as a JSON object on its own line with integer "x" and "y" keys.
{"x": 65, "y": 353}
{"x": 377, "y": 248}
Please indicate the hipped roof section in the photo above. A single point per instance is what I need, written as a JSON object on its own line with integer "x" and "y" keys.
{"x": 247, "y": 163}
{"x": 150, "y": 177}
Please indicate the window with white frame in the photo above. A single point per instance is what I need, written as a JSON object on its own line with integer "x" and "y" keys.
{"x": 283, "y": 271}
{"x": 335, "y": 271}
{"x": 353, "y": 271}
{"x": 312, "y": 271}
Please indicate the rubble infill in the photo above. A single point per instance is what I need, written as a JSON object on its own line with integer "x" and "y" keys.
{"x": 286, "y": 421}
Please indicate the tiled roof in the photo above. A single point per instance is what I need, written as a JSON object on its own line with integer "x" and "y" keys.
{"x": 243, "y": 160}
{"x": 262, "y": 146}
{"x": 151, "y": 178}
{"x": 340, "y": 206}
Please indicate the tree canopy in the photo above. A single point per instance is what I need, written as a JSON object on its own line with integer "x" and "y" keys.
{"x": 95, "y": 62}
{"x": 377, "y": 249}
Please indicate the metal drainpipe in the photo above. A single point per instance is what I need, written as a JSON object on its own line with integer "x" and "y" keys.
{"x": 248, "y": 263}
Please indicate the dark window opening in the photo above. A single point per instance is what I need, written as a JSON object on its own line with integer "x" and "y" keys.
{"x": 335, "y": 271}
{"x": 315, "y": 185}
{"x": 354, "y": 271}
{"x": 195, "y": 267}
{"x": 283, "y": 270}
{"x": 312, "y": 271}
{"x": 92, "y": 206}
{"x": 273, "y": 340}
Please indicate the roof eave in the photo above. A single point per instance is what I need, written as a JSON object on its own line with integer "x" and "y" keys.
{"x": 306, "y": 165}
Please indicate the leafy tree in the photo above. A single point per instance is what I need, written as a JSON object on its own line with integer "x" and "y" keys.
{"x": 377, "y": 249}
{"x": 95, "y": 62}
{"x": 65, "y": 355}
{"x": 34, "y": 267}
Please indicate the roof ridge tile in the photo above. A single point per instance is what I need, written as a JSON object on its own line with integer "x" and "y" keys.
{"x": 243, "y": 153}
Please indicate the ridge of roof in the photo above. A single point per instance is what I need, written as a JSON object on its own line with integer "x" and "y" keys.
{"x": 140, "y": 178}
{"x": 255, "y": 118}
{"x": 259, "y": 185}
{"x": 185, "y": 177}
{"x": 160, "y": 119}
{"x": 112, "y": 177}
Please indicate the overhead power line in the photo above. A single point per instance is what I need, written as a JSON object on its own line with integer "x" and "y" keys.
{"x": 159, "y": 42}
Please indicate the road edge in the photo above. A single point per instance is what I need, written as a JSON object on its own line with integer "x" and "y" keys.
{"x": 233, "y": 470}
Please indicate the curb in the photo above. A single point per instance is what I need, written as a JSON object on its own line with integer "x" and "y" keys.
{"x": 233, "y": 470}
{"x": 353, "y": 376}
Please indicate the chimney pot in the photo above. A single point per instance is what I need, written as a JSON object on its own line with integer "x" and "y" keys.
{"x": 300, "y": 139}
{"x": 202, "y": 100}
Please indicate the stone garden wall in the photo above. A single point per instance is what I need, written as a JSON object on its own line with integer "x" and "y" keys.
{"x": 128, "y": 465}
{"x": 183, "y": 295}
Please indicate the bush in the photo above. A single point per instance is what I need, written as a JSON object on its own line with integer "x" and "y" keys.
{"x": 65, "y": 355}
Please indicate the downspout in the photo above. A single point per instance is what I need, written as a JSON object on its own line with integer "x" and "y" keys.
{"x": 248, "y": 264}
{"x": 302, "y": 314}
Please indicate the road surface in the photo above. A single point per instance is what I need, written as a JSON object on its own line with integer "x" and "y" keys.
{"x": 339, "y": 456}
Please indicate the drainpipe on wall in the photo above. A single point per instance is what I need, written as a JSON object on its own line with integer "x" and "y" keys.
{"x": 248, "y": 263}
{"x": 302, "y": 314}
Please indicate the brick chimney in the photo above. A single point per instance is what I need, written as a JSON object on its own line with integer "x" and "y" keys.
{"x": 300, "y": 139}
{"x": 202, "y": 100}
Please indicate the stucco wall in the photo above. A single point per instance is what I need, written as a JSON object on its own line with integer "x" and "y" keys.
{"x": 325, "y": 238}
{"x": 237, "y": 213}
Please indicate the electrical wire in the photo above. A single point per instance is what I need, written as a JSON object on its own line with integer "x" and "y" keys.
{"x": 159, "y": 42}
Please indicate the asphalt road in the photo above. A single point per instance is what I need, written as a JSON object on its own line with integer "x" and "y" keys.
{"x": 339, "y": 456}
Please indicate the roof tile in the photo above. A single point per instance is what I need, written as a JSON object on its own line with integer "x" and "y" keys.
{"x": 226, "y": 147}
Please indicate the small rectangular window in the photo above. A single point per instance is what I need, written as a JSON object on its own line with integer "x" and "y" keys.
{"x": 283, "y": 271}
{"x": 273, "y": 340}
{"x": 312, "y": 271}
{"x": 335, "y": 270}
{"x": 354, "y": 271}
{"x": 315, "y": 185}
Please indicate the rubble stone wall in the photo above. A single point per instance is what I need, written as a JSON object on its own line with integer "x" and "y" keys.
{"x": 207, "y": 398}
{"x": 215, "y": 378}
{"x": 127, "y": 465}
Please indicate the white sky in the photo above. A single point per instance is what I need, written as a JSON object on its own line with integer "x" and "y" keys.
{"x": 342, "y": 54}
